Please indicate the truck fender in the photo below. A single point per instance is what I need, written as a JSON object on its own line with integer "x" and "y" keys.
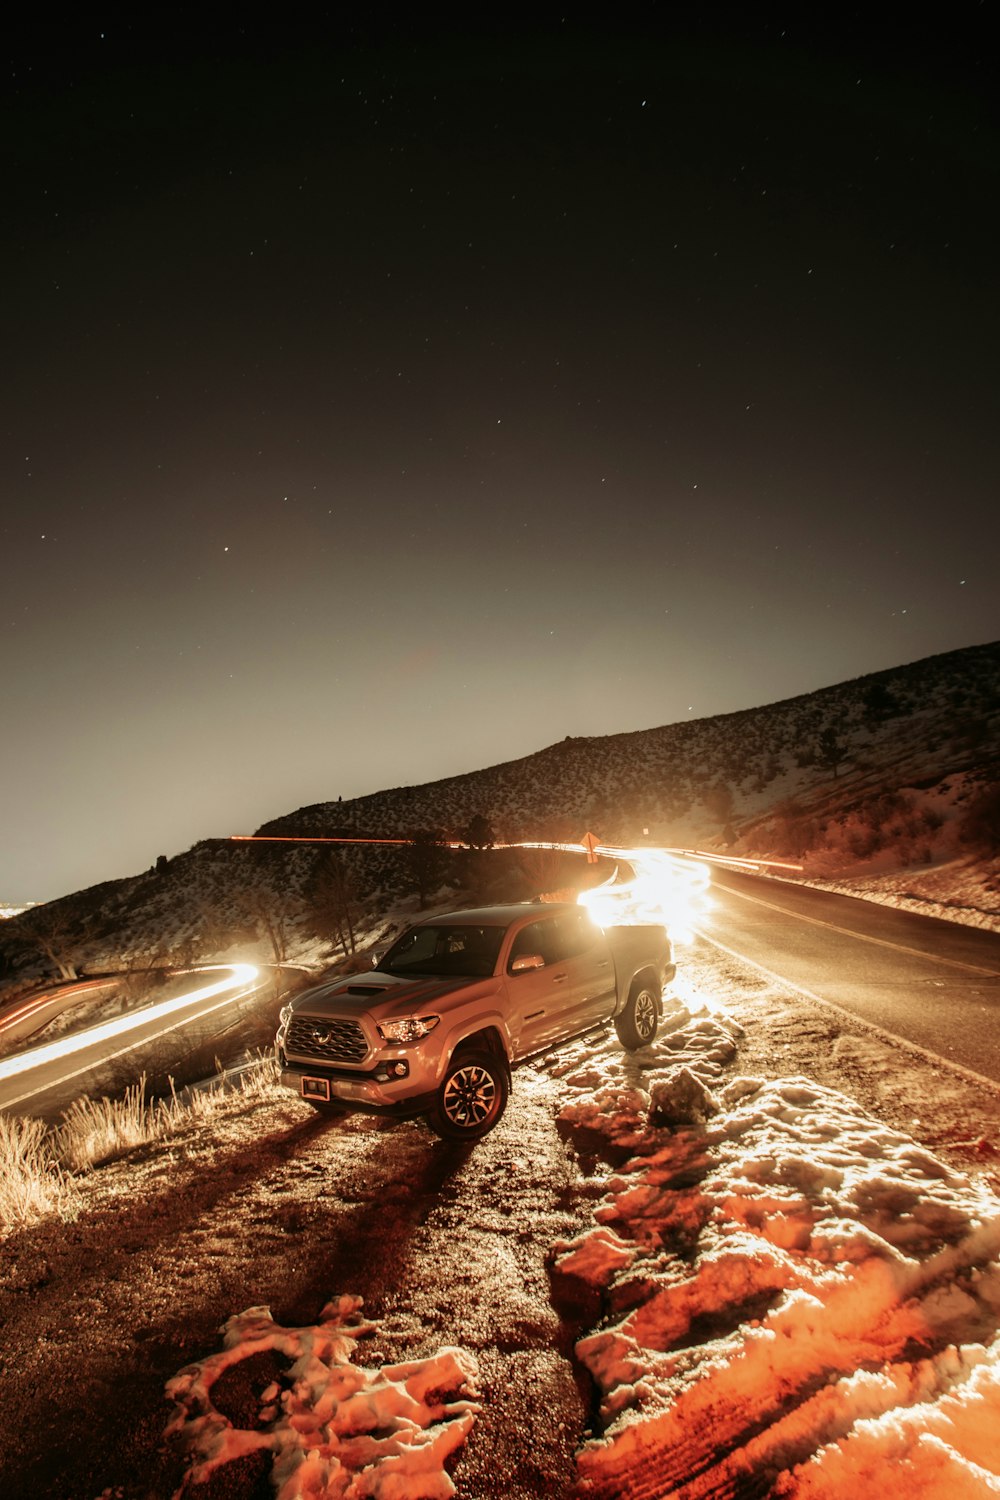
{"x": 497, "y": 1039}
{"x": 648, "y": 975}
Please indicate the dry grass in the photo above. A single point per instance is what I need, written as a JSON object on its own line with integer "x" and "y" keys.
{"x": 37, "y": 1165}
{"x": 33, "y": 1184}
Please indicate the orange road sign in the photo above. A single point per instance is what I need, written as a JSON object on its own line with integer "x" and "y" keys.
{"x": 590, "y": 842}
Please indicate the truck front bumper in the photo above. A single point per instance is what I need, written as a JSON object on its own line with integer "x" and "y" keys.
{"x": 363, "y": 1091}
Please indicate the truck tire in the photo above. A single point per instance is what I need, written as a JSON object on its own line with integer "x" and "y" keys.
{"x": 471, "y": 1097}
{"x": 637, "y": 1023}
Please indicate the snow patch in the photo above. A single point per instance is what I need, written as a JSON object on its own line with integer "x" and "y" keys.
{"x": 330, "y": 1427}
{"x": 791, "y": 1289}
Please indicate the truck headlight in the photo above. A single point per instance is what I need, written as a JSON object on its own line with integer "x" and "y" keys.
{"x": 407, "y": 1028}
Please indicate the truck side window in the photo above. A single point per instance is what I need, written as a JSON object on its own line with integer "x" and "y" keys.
{"x": 537, "y": 937}
{"x": 577, "y": 934}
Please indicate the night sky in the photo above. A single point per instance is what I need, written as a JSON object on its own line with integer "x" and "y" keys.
{"x": 384, "y": 403}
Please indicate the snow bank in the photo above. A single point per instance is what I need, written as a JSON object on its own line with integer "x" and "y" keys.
{"x": 331, "y": 1428}
{"x": 796, "y": 1297}
{"x": 965, "y": 890}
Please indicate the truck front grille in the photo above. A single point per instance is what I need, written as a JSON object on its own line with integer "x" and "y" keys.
{"x": 327, "y": 1041}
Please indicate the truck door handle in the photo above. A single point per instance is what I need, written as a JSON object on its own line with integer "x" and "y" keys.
{"x": 559, "y": 978}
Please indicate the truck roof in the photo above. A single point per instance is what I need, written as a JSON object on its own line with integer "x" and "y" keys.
{"x": 499, "y": 916}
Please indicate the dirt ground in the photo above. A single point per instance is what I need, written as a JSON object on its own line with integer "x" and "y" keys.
{"x": 276, "y": 1205}
{"x": 281, "y": 1207}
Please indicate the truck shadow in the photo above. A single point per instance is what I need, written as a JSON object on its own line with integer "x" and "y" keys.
{"x": 290, "y": 1220}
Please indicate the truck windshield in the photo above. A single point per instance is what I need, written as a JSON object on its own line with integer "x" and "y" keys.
{"x": 461, "y": 951}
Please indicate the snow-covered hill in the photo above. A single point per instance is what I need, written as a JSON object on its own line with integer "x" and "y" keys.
{"x": 894, "y": 771}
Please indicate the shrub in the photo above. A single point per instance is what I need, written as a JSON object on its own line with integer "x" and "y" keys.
{"x": 980, "y": 824}
{"x": 37, "y": 1166}
{"x": 32, "y": 1183}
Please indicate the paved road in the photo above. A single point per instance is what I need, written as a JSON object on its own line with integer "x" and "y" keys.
{"x": 45, "y": 1079}
{"x": 935, "y": 984}
{"x": 20, "y": 1021}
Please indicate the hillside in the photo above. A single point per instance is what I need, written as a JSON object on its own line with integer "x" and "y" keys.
{"x": 753, "y": 773}
{"x": 894, "y": 771}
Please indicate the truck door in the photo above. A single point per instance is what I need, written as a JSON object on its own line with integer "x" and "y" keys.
{"x": 536, "y": 995}
{"x": 590, "y": 986}
{"x": 573, "y": 990}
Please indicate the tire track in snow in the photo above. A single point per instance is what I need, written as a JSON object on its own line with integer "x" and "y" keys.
{"x": 786, "y": 1280}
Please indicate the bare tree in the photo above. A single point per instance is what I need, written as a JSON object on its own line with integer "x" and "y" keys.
{"x": 548, "y": 870}
{"x": 268, "y": 910}
{"x": 50, "y": 931}
{"x": 268, "y": 900}
{"x": 722, "y": 805}
{"x": 332, "y": 900}
{"x": 426, "y": 862}
{"x": 831, "y": 751}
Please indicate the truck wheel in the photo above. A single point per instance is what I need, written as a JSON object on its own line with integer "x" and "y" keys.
{"x": 471, "y": 1097}
{"x": 637, "y": 1023}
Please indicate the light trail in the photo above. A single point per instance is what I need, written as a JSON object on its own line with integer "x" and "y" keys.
{"x": 737, "y": 862}
{"x": 309, "y": 838}
{"x": 37, "y": 1003}
{"x": 239, "y": 975}
{"x": 29, "y": 1008}
{"x": 664, "y": 890}
{"x": 669, "y": 887}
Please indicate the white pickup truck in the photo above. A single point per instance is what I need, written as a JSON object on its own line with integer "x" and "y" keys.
{"x": 436, "y": 1027}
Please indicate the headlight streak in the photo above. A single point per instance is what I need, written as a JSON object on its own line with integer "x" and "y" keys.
{"x": 29, "y": 1008}
{"x": 238, "y": 975}
{"x": 665, "y": 889}
{"x": 669, "y": 885}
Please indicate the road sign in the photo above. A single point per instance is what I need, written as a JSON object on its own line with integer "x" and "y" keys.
{"x": 590, "y": 842}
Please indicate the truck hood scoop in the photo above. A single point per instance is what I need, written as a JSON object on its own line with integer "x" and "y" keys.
{"x": 366, "y": 989}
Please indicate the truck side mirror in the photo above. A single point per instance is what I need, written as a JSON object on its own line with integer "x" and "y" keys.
{"x": 526, "y": 961}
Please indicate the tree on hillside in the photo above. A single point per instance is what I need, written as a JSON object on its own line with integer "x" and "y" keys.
{"x": 720, "y": 802}
{"x": 980, "y": 823}
{"x": 479, "y": 833}
{"x": 267, "y": 898}
{"x": 332, "y": 900}
{"x": 793, "y": 832}
{"x": 830, "y": 749}
{"x": 269, "y": 911}
{"x": 878, "y": 704}
{"x": 548, "y": 870}
{"x": 50, "y": 932}
{"x": 426, "y": 862}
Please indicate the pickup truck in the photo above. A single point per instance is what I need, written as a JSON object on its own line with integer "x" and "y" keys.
{"x": 435, "y": 1028}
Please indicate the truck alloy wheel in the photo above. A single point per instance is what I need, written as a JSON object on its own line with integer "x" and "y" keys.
{"x": 636, "y": 1026}
{"x": 472, "y": 1096}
